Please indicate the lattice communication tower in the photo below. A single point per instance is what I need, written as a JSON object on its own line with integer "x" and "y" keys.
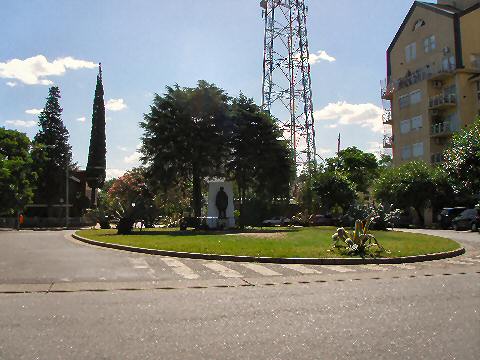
{"x": 287, "y": 82}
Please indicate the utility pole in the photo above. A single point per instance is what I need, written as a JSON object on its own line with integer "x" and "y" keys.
{"x": 66, "y": 198}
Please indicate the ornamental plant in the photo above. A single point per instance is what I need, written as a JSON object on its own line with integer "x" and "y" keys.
{"x": 358, "y": 241}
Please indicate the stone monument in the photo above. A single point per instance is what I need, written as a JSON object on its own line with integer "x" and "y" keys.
{"x": 220, "y": 205}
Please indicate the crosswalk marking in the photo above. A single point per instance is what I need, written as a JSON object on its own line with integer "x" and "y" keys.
{"x": 474, "y": 260}
{"x": 301, "y": 268}
{"x": 337, "y": 268}
{"x": 180, "y": 268}
{"x": 261, "y": 269}
{"x": 223, "y": 270}
{"x": 403, "y": 266}
{"x": 139, "y": 263}
{"x": 373, "y": 267}
{"x": 456, "y": 262}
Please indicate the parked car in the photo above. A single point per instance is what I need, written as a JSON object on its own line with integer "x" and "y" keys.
{"x": 276, "y": 221}
{"x": 322, "y": 220}
{"x": 468, "y": 219}
{"x": 447, "y": 215}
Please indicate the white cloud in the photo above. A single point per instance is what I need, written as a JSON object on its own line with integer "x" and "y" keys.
{"x": 115, "y": 105}
{"x": 81, "y": 119}
{"x": 122, "y": 148}
{"x": 135, "y": 157}
{"x": 34, "y": 70}
{"x": 114, "y": 173}
{"x": 331, "y": 126}
{"x": 21, "y": 123}
{"x": 319, "y": 56}
{"x": 11, "y": 83}
{"x": 33, "y": 111}
{"x": 324, "y": 151}
{"x": 365, "y": 115}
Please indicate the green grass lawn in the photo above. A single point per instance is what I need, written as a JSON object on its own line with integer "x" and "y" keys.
{"x": 301, "y": 242}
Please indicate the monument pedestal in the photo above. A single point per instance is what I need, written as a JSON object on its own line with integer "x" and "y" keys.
{"x": 213, "y": 220}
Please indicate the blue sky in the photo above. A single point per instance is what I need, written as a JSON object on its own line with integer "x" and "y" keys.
{"x": 145, "y": 45}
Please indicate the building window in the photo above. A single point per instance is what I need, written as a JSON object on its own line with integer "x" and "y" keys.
{"x": 475, "y": 58}
{"x": 418, "y": 24}
{"x": 406, "y": 152}
{"x": 411, "y": 52}
{"x": 417, "y": 149}
{"x": 415, "y": 97}
{"x": 417, "y": 122}
{"x": 405, "y": 126}
{"x": 404, "y": 101}
{"x": 429, "y": 44}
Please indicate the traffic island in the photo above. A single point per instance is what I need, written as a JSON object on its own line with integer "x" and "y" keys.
{"x": 281, "y": 245}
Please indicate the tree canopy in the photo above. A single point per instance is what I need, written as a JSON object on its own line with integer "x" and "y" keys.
{"x": 97, "y": 151}
{"x": 358, "y": 166}
{"x": 413, "y": 184}
{"x": 52, "y": 153}
{"x": 16, "y": 176}
{"x": 334, "y": 189}
{"x": 462, "y": 159}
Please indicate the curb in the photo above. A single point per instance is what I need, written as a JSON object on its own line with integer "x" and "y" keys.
{"x": 307, "y": 261}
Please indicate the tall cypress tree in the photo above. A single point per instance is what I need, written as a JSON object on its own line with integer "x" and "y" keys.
{"x": 98, "y": 147}
{"x": 52, "y": 153}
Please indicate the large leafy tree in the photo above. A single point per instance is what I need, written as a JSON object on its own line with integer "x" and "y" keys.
{"x": 258, "y": 161}
{"x": 16, "y": 176}
{"x": 358, "y": 166}
{"x": 98, "y": 148}
{"x": 462, "y": 159}
{"x": 334, "y": 189}
{"x": 184, "y": 137}
{"x": 414, "y": 184}
{"x": 52, "y": 153}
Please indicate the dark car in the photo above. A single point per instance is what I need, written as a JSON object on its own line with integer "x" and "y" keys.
{"x": 448, "y": 214}
{"x": 468, "y": 219}
{"x": 322, "y": 220}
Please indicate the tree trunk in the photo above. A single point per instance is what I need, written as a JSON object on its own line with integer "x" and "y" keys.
{"x": 242, "y": 201}
{"x": 420, "y": 216}
{"x": 197, "y": 193}
{"x": 92, "y": 198}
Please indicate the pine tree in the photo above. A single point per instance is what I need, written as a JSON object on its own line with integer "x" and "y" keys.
{"x": 98, "y": 148}
{"x": 52, "y": 153}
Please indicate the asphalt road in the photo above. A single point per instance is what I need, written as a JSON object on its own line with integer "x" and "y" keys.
{"x": 74, "y": 306}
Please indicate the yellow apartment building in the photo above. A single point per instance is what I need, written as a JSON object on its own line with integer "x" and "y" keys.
{"x": 433, "y": 79}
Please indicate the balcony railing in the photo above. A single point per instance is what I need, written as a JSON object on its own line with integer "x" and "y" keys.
{"x": 387, "y": 141}
{"x": 442, "y": 100}
{"x": 441, "y": 129}
{"x": 424, "y": 73}
{"x": 387, "y": 117}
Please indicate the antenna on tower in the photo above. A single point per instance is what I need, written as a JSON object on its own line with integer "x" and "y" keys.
{"x": 287, "y": 83}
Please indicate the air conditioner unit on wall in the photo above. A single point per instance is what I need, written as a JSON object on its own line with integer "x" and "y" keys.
{"x": 446, "y": 50}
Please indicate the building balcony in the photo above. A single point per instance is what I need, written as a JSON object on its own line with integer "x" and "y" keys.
{"x": 428, "y": 72}
{"x": 387, "y": 117}
{"x": 387, "y": 141}
{"x": 442, "y": 101}
{"x": 441, "y": 129}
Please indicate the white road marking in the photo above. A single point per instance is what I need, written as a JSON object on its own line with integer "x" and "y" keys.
{"x": 180, "y": 268}
{"x": 474, "y": 260}
{"x": 337, "y": 268}
{"x": 301, "y": 268}
{"x": 456, "y": 262}
{"x": 222, "y": 270}
{"x": 373, "y": 267}
{"x": 261, "y": 269}
{"x": 139, "y": 263}
{"x": 403, "y": 266}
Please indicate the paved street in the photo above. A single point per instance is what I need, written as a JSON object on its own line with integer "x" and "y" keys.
{"x": 85, "y": 302}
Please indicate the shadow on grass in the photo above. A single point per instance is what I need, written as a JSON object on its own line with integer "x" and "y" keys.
{"x": 205, "y": 232}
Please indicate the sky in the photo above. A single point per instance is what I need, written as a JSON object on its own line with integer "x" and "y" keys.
{"x": 146, "y": 45}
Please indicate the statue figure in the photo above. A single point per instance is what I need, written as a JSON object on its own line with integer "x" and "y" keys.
{"x": 221, "y": 201}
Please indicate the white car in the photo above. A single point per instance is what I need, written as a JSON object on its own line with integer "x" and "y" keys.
{"x": 276, "y": 221}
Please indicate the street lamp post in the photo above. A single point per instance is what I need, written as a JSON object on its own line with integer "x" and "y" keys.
{"x": 66, "y": 198}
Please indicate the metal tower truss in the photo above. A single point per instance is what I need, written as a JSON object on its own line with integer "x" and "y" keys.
{"x": 287, "y": 90}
